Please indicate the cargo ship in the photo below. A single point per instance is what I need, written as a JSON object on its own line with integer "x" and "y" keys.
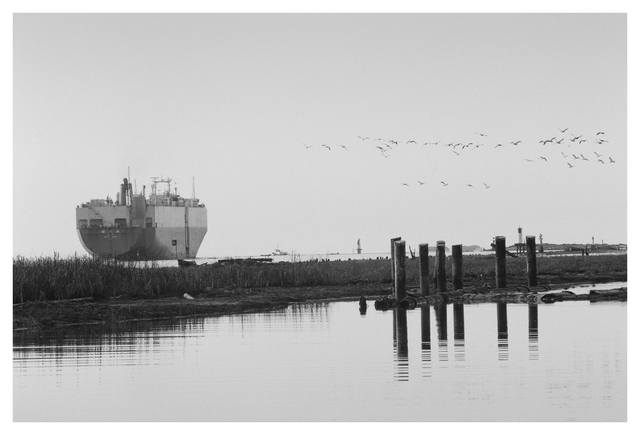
{"x": 164, "y": 226}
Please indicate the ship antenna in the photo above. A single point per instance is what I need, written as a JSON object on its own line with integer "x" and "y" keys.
{"x": 193, "y": 193}
{"x": 129, "y": 186}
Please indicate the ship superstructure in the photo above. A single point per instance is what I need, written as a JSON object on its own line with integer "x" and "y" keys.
{"x": 164, "y": 226}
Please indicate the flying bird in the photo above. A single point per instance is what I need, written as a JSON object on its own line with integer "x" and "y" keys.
{"x": 486, "y": 186}
{"x": 344, "y": 147}
{"x": 422, "y": 182}
{"x": 611, "y": 160}
{"x": 326, "y": 146}
{"x": 470, "y": 185}
{"x": 516, "y": 142}
{"x": 600, "y": 132}
{"x": 600, "y": 160}
{"x": 444, "y": 184}
{"x": 410, "y": 141}
{"x": 564, "y": 129}
{"x": 598, "y": 155}
{"x": 570, "y": 165}
{"x": 306, "y": 146}
{"x": 363, "y": 138}
{"x": 405, "y": 184}
{"x": 543, "y": 158}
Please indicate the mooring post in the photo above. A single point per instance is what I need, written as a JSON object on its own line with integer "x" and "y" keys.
{"x": 501, "y": 262}
{"x": 393, "y": 261}
{"x": 532, "y": 269}
{"x": 456, "y": 266}
{"x": 423, "y": 252}
{"x": 440, "y": 270}
{"x": 400, "y": 279}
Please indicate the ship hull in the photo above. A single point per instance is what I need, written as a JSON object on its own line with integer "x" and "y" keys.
{"x": 141, "y": 244}
{"x": 141, "y": 233}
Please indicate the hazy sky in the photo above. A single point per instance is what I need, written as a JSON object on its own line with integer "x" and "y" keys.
{"x": 235, "y": 99}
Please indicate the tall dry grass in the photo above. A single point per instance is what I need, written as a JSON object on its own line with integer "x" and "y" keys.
{"x": 54, "y": 278}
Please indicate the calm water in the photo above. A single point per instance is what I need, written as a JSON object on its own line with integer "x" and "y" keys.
{"x": 327, "y": 362}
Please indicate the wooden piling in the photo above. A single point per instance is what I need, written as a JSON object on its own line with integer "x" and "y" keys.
{"x": 456, "y": 266}
{"x": 532, "y": 269}
{"x": 393, "y": 261}
{"x": 501, "y": 262}
{"x": 423, "y": 252}
{"x": 441, "y": 280}
{"x": 400, "y": 279}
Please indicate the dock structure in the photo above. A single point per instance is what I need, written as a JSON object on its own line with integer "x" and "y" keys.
{"x": 532, "y": 293}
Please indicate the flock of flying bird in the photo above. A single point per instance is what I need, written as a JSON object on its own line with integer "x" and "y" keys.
{"x": 386, "y": 146}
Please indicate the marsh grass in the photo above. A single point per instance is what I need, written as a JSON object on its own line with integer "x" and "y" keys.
{"x": 50, "y": 279}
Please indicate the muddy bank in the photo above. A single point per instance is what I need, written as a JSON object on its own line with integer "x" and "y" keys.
{"x": 209, "y": 302}
{"x": 233, "y": 300}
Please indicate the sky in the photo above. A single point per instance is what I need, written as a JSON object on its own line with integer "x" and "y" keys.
{"x": 307, "y": 132}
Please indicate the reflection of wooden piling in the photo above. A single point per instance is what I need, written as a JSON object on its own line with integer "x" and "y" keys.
{"x": 441, "y": 321}
{"x": 533, "y": 321}
{"x": 393, "y": 260}
{"x": 425, "y": 330}
{"x": 423, "y": 252}
{"x": 400, "y": 273}
{"x": 503, "y": 335}
{"x": 501, "y": 262}
{"x": 458, "y": 321}
{"x": 401, "y": 325}
{"x": 532, "y": 269}
{"x": 456, "y": 266}
{"x": 502, "y": 320}
{"x": 441, "y": 275}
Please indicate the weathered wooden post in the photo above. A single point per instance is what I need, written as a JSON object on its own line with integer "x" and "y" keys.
{"x": 440, "y": 267}
{"x": 393, "y": 261}
{"x": 501, "y": 262}
{"x": 400, "y": 278}
{"x": 423, "y": 252}
{"x": 456, "y": 266}
{"x": 532, "y": 269}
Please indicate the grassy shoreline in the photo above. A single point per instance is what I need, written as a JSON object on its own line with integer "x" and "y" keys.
{"x": 49, "y": 292}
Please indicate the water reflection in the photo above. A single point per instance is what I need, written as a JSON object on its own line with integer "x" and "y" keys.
{"x": 363, "y": 305}
{"x": 400, "y": 336}
{"x": 533, "y": 332}
{"x": 441, "y": 326}
{"x": 401, "y": 346}
{"x": 425, "y": 338}
{"x": 503, "y": 333}
{"x": 458, "y": 331}
{"x": 325, "y": 362}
